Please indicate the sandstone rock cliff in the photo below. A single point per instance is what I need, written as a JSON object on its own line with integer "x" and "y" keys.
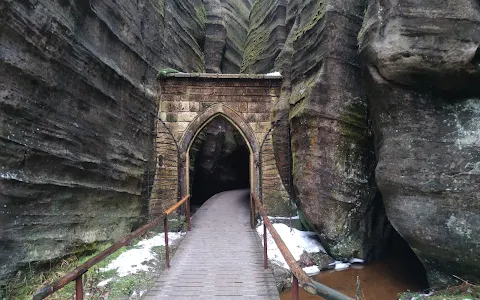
{"x": 77, "y": 89}
{"x": 413, "y": 109}
{"x": 422, "y": 68}
{"x": 375, "y": 93}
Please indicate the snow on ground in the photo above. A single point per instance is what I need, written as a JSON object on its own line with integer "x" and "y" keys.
{"x": 297, "y": 241}
{"x": 312, "y": 270}
{"x": 273, "y": 219}
{"x": 104, "y": 282}
{"x": 134, "y": 260}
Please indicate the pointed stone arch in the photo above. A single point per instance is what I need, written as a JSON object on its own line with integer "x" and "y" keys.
{"x": 209, "y": 114}
{"x": 194, "y": 128}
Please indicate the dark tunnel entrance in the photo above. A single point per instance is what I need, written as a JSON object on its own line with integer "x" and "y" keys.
{"x": 219, "y": 161}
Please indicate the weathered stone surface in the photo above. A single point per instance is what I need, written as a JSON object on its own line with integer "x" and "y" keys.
{"x": 424, "y": 44}
{"x": 425, "y": 103}
{"x": 215, "y": 35}
{"x": 331, "y": 141}
{"x": 77, "y": 87}
{"x": 266, "y": 36}
{"x": 244, "y": 100}
{"x": 225, "y": 34}
{"x": 237, "y": 13}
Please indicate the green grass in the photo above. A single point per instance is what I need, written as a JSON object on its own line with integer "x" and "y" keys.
{"x": 28, "y": 281}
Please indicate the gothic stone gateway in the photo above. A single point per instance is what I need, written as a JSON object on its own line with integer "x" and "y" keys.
{"x": 187, "y": 103}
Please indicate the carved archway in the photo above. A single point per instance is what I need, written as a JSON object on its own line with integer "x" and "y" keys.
{"x": 194, "y": 128}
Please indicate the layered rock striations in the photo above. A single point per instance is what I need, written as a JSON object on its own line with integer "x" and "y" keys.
{"x": 77, "y": 93}
{"x": 375, "y": 93}
{"x": 413, "y": 109}
{"x": 266, "y": 36}
{"x": 330, "y": 134}
{"x": 422, "y": 72}
{"x": 227, "y": 23}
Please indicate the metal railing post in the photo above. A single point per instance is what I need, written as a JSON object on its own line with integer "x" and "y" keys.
{"x": 165, "y": 227}
{"x": 294, "y": 288}
{"x": 79, "y": 288}
{"x": 75, "y": 275}
{"x": 188, "y": 214}
{"x": 252, "y": 212}
{"x": 308, "y": 284}
{"x": 265, "y": 254}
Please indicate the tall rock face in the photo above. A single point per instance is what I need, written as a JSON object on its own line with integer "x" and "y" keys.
{"x": 236, "y": 14}
{"x": 422, "y": 67}
{"x": 421, "y": 72}
{"x": 331, "y": 140}
{"x": 321, "y": 118}
{"x": 226, "y": 28}
{"x": 266, "y": 36}
{"x": 77, "y": 93}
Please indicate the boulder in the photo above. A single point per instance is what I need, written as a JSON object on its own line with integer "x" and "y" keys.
{"x": 422, "y": 74}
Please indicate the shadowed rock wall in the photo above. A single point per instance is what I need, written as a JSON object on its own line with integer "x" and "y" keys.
{"x": 78, "y": 84}
{"x": 413, "y": 109}
{"x": 227, "y": 23}
{"x": 422, "y": 70}
{"x": 77, "y": 87}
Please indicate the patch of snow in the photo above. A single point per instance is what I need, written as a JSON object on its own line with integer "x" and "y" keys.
{"x": 283, "y": 218}
{"x": 356, "y": 260}
{"x": 134, "y": 260}
{"x": 342, "y": 266}
{"x": 104, "y": 282}
{"x": 421, "y": 296}
{"x": 137, "y": 294}
{"x": 297, "y": 242}
{"x": 312, "y": 270}
{"x": 274, "y": 74}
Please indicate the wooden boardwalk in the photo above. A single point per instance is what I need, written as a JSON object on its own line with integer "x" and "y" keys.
{"x": 221, "y": 258}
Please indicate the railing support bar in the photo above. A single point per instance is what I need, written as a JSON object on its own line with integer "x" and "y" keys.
{"x": 188, "y": 215}
{"x": 294, "y": 288}
{"x": 79, "y": 288}
{"x": 309, "y": 285}
{"x": 165, "y": 227}
{"x": 252, "y": 212}
{"x": 265, "y": 254}
{"x": 80, "y": 270}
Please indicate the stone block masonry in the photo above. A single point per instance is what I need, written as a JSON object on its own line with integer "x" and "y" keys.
{"x": 188, "y": 101}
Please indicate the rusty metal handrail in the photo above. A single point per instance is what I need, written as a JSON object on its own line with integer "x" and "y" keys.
{"x": 77, "y": 273}
{"x": 299, "y": 276}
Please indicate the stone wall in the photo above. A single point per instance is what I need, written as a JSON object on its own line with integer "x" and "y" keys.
{"x": 190, "y": 101}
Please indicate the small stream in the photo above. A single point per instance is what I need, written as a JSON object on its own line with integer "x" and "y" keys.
{"x": 381, "y": 280}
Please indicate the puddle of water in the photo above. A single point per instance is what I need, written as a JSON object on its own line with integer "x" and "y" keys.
{"x": 381, "y": 280}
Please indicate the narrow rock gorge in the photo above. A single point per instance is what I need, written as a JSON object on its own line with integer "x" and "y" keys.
{"x": 378, "y": 119}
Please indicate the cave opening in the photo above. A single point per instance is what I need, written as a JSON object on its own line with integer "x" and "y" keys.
{"x": 393, "y": 254}
{"x": 219, "y": 161}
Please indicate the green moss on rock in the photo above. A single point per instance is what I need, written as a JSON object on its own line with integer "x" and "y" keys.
{"x": 319, "y": 13}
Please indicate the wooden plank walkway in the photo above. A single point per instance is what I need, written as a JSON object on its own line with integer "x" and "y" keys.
{"x": 221, "y": 258}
